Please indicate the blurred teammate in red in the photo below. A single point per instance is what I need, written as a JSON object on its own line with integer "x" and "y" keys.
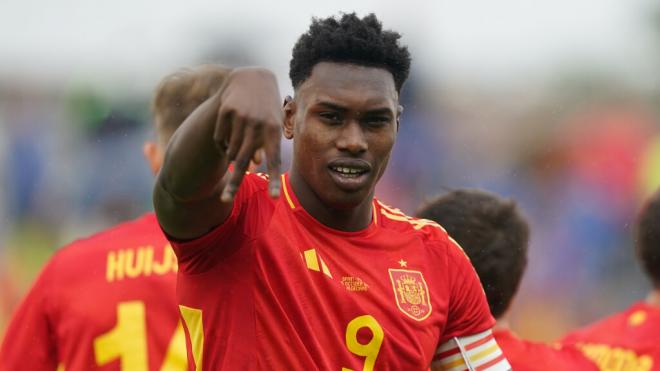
{"x": 630, "y": 340}
{"x": 107, "y": 302}
{"x": 308, "y": 270}
{"x": 494, "y": 235}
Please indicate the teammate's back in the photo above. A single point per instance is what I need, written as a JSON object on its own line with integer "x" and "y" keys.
{"x": 630, "y": 340}
{"x": 92, "y": 303}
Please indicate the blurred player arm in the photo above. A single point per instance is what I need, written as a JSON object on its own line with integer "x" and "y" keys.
{"x": 29, "y": 342}
{"x": 194, "y": 190}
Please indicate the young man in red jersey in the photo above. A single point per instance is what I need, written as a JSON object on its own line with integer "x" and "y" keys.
{"x": 323, "y": 276}
{"x": 107, "y": 302}
{"x": 494, "y": 235}
{"x": 630, "y": 340}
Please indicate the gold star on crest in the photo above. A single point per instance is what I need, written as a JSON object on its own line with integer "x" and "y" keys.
{"x": 403, "y": 263}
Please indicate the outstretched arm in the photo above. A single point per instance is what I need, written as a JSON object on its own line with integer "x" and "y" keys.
{"x": 194, "y": 191}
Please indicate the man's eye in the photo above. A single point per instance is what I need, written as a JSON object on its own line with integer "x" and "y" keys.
{"x": 377, "y": 121}
{"x": 330, "y": 116}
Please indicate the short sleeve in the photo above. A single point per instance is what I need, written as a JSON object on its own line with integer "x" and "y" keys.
{"x": 248, "y": 215}
{"x": 29, "y": 342}
{"x": 469, "y": 313}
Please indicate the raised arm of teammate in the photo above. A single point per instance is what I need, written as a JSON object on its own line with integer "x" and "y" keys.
{"x": 194, "y": 191}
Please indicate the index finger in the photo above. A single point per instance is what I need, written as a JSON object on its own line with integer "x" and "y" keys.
{"x": 240, "y": 167}
{"x": 273, "y": 160}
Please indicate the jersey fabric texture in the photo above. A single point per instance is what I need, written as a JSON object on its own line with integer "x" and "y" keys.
{"x": 106, "y": 302}
{"x": 526, "y": 355}
{"x": 273, "y": 288}
{"x": 629, "y": 340}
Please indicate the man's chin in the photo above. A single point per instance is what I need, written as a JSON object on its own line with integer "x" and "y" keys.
{"x": 345, "y": 201}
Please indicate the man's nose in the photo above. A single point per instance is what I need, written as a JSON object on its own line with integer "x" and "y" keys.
{"x": 352, "y": 138}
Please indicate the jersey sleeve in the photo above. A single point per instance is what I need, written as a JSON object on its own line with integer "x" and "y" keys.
{"x": 248, "y": 215}
{"x": 469, "y": 313}
{"x": 29, "y": 342}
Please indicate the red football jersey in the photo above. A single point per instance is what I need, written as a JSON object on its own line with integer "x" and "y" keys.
{"x": 273, "y": 288}
{"x": 526, "y": 355}
{"x": 106, "y": 302}
{"x": 629, "y": 340}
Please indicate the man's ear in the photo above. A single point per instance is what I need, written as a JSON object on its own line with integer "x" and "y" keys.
{"x": 399, "y": 111}
{"x": 153, "y": 155}
{"x": 289, "y": 117}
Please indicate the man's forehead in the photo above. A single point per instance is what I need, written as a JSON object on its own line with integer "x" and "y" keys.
{"x": 338, "y": 81}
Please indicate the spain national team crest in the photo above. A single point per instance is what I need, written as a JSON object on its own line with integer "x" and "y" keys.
{"x": 411, "y": 293}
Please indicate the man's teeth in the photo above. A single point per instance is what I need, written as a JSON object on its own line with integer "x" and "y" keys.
{"x": 347, "y": 170}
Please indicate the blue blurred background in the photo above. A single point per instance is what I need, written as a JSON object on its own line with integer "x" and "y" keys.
{"x": 555, "y": 103}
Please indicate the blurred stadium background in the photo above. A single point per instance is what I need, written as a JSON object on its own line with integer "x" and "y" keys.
{"x": 553, "y": 102}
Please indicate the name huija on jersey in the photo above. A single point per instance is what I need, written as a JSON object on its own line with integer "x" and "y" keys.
{"x": 139, "y": 261}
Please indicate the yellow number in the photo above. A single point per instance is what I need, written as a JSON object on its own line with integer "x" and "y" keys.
{"x": 369, "y": 350}
{"x": 128, "y": 342}
{"x": 176, "y": 358}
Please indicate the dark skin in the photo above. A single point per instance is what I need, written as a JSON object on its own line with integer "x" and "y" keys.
{"x": 343, "y": 120}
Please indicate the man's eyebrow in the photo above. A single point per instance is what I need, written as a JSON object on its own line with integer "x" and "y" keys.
{"x": 332, "y": 106}
{"x": 378, "y": 111}
{"x": 371, "y": 112}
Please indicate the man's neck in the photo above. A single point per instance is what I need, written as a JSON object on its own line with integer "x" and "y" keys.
{"x": 502, "y": 322}
{"x": 654, "y": 298}
{"x": 348, "y": 220}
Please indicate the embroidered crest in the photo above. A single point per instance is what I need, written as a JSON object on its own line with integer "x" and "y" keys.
{"x": 411, "y": 293}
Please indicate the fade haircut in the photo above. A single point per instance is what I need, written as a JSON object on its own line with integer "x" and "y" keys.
{"x": 493, "y": 233}
{"x": 648, "y": 238}
{"x": 180, "y": 93}
{"x": 349, "y": 40}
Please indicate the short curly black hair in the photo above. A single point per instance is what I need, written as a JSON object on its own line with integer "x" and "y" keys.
{"x": 494, "y": 235}
{"x": 648, "y": 238}
{"x": 349, "y": 40}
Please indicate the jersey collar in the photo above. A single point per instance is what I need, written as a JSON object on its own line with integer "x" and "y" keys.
{"x": 292, "y": 202}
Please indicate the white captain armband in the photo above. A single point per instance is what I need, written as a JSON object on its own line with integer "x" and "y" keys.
{"x": 472, "y": 353}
